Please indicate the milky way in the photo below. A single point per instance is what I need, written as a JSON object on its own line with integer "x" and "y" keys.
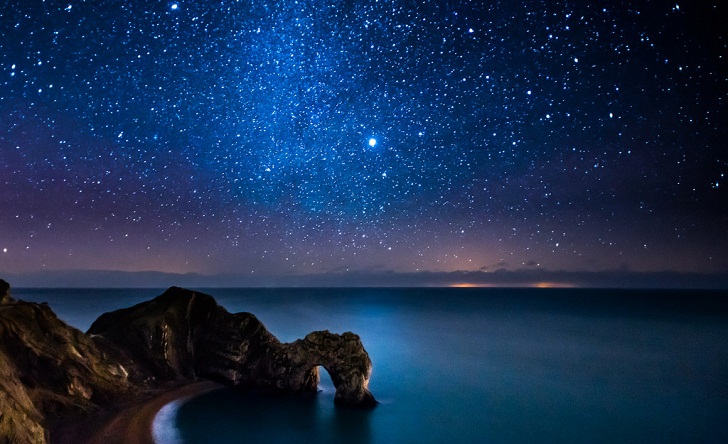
{"x": 316, "y": 137}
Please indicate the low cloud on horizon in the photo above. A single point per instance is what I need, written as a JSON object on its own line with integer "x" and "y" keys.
{"x": 526, "y": 277}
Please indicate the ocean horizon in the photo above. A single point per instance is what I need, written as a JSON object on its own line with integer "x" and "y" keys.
{"x": 471, "y": 365}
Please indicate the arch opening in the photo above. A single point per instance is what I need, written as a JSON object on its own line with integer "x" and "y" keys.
{"x": 325, "y": 381}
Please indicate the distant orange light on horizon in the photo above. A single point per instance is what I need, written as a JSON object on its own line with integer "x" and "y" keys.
{"x": 527, "y": 284}
{"x": 553, "y": 285}
{"x": 470, "y": 285}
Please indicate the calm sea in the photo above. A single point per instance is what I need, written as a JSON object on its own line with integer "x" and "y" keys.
{"x": 473, "y": 365}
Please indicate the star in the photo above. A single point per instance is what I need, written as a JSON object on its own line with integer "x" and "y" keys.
{"x": 263, "y": 120}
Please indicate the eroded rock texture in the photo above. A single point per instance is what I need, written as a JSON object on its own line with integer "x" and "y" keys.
{"x": 186, "y": 334}
{"x": 344, "y": 358}
{"x": 51, "y": 372}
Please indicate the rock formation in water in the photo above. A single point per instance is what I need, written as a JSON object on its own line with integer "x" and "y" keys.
{"x": 185, "y": 334}
{"x": 50, "y": 372}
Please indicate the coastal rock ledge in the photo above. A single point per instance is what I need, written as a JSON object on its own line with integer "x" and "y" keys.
{"x": 51, "y": 373}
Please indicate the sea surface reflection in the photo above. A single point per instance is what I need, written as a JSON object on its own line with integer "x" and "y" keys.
{"x": 486, "y": 365}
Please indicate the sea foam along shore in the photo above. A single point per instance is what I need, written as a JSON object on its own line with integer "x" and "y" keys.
{"x": 132, "y": 424}
{"x": 162, "y": 428}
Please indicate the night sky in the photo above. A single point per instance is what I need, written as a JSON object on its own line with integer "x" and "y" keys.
{"x": 311, "y": 137}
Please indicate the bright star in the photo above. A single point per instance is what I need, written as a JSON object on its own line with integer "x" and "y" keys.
{"x": 372, "y": 142}
{"x": 174, "y": 6}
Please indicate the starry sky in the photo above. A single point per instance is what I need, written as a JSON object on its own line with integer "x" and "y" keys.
{"x": 372, "y": 137}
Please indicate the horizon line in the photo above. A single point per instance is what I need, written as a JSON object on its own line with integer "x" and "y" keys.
{"x": 520, "y": 278}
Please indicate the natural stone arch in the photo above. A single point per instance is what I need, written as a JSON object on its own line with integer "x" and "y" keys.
{"x": 346, "y": 361}
{"x": 186, "y": 334}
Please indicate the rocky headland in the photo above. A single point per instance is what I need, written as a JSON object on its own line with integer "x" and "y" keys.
{"x": 52, "y": 374}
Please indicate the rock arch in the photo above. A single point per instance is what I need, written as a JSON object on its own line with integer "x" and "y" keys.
{"x": 345, "y": 359}
{"x": 185, "y": 334}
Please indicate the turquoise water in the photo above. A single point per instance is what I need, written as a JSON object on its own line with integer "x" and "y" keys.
{"x": 475, "y": 365}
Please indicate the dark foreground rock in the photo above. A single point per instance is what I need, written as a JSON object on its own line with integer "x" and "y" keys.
{"x": 185, "y": 334}
{"x": 51, "y": 372}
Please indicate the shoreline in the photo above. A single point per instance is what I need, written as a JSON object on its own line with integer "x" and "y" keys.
{"x": 132, "y": 424}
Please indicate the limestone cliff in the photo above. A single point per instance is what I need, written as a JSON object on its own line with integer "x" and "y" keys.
{"x": 51, "y": 372}
{"x": 186, "y": 334}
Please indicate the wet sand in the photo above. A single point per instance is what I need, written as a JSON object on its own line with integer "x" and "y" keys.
{"x": 131, "y": 425}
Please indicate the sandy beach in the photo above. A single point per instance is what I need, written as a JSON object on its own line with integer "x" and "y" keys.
{"x": 130, "y": 425}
